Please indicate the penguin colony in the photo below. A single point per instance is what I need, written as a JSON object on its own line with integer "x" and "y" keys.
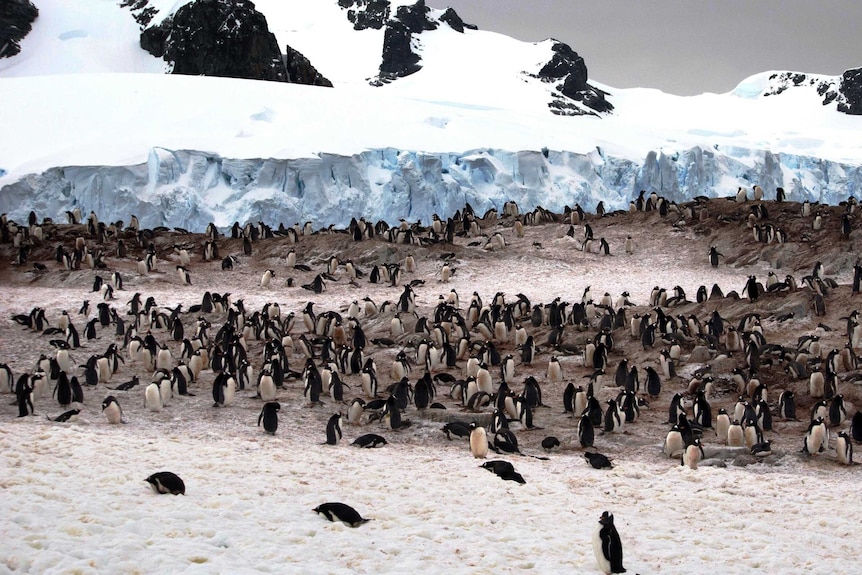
{"x": 486, "y": 369}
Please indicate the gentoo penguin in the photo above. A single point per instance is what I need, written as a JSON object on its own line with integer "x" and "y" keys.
{"x": 844, "y": 448}
{"x": 153, "y": 398}
{"x": 166, "y": 482}
{"x": 504, "y": 470}
{"x": 722, "y": 425}
{"x": 674, "y": 443}
{"x": 735, "y": 434}
{"x": 369, "y": 440}
{"x": 856, "y": 427}
{"x": 355, "y": 411}
{"x": 340, "y": 512}
{"x": 786, "y": 405}
{"x": 837, "y": 411}
{"x": 713, "y": 256}
{"x": 614, "y": 419}
{"x": 71, "y": 415}
{"x": 456, "y": 428}
{"x": 266, "y": 387}
{"x": 550, "y": 443}
{"x": 269, "y": 416}
{"x": 333, "y": 429}
{"x": 693, "y": 454}
{"x": 597, "y": 460}
{"x": 478, "y": 441}
{"x": 586, "y": 430}
{"x": 266, "y": 279}
{"x": 607, "y": 546}
{"x": 816, "y": 438}
{"x": 184, "y": 275}
{"x": 112, "y": 410}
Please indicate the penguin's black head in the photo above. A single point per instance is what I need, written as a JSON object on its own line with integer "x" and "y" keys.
{"x": 607, "y": 518}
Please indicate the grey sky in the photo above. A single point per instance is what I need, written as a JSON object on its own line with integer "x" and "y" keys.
{"x": 683, "y": 46}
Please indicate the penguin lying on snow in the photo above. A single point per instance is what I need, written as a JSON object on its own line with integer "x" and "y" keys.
{"x": 504, "y": 470}
{"x": 597, "y": 460}
{"x": 341, "y": 512}
{"x": 166, "y": 482}
{"x": 369, "y": 440}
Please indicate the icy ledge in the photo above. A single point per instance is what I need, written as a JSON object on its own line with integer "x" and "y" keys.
{"x": 190, "y": 188}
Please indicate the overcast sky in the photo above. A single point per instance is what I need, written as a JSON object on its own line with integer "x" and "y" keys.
{"x": 683, "y": 46}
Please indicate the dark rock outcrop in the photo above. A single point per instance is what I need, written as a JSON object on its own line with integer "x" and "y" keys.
{"x": 364, "y": 14}
{"x": 846, "y": 90}
{"x": 141, "y": 10}
{"x": 568, "y": 70}
{"x": 300, "y": 70}
{"x": 227, "y": 38}
{"x": 851, "y": 90}
{"x": 398, "y": 58}
{"x": 454, "y": 21}
{"x": 16, "y": 19}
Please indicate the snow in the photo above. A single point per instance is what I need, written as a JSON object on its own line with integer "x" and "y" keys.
{"x": 101, "y": 102}
{"x": 74, "y": 497}
{"x": 468, "y": 127}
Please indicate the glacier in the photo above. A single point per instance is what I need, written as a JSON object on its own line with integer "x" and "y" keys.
{"x": 189, "y": 189}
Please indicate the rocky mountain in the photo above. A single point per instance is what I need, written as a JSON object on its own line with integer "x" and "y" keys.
{"x": 16, "y": 19}
{"x": 425, "y": 113}
{"x": 846, "y": 90}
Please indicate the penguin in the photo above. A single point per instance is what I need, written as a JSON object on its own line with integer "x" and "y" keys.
{"x": 837, "y": 411}
{"x": 355, "y": 411}
{"x": 787, "y": 405}
{"x": 607, "y": 545}
{"x": 266, "y": 279}
{"x": 70, "y": 415}
{"x": 713, "y": 256}
{"x": 844, "y": 448}
{"x": 614, "y": 420}
{"x": 762, "y": 449}
{"x": 693, "y": 454}
{"x": 269, "y": 416}
{"x": 369, "y": 440}
{"x": 266, "y": 386}
{"x": 456, "y": 428}
{"x": 586, "y": 430}
{"x": 550, "y": 443}
{"x": 752, "y": 433}
{"x": 153, "y": 398}
{"x": 674, "y": 443}
{"x": 735, "y": 434}
{"x": 504, "y": 470}
{"x": 341, "y": 512}
{"x": 112, "y": 410}
{"x": 597, "y": 460}
{"x": 333, "y": 429}
{"x": 816, "y": 438}
{"x": 478, "y": 441}
{"x": 856, "y": 427}
{"x": 165, "y": 482}
{"x": 722, "y": 424}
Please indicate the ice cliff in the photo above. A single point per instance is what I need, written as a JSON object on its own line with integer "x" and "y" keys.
{"x": 190, "y": 188}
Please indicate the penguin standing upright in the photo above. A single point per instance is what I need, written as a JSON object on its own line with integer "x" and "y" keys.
{"x": 112, "y": 410}
{"x": 693, "y": 454}
{"x": 478, "y": 441}
{"x": 607, "y": 545}
{"x": 153, "y": 398}
{"x": 844, "y": 448}
{"x": 333, "y": 429}
{"x": 269, "y": 416}
{"x": 586, "y": 431}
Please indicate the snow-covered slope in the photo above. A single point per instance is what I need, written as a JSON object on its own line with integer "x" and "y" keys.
{"x": 97, "y": 125}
